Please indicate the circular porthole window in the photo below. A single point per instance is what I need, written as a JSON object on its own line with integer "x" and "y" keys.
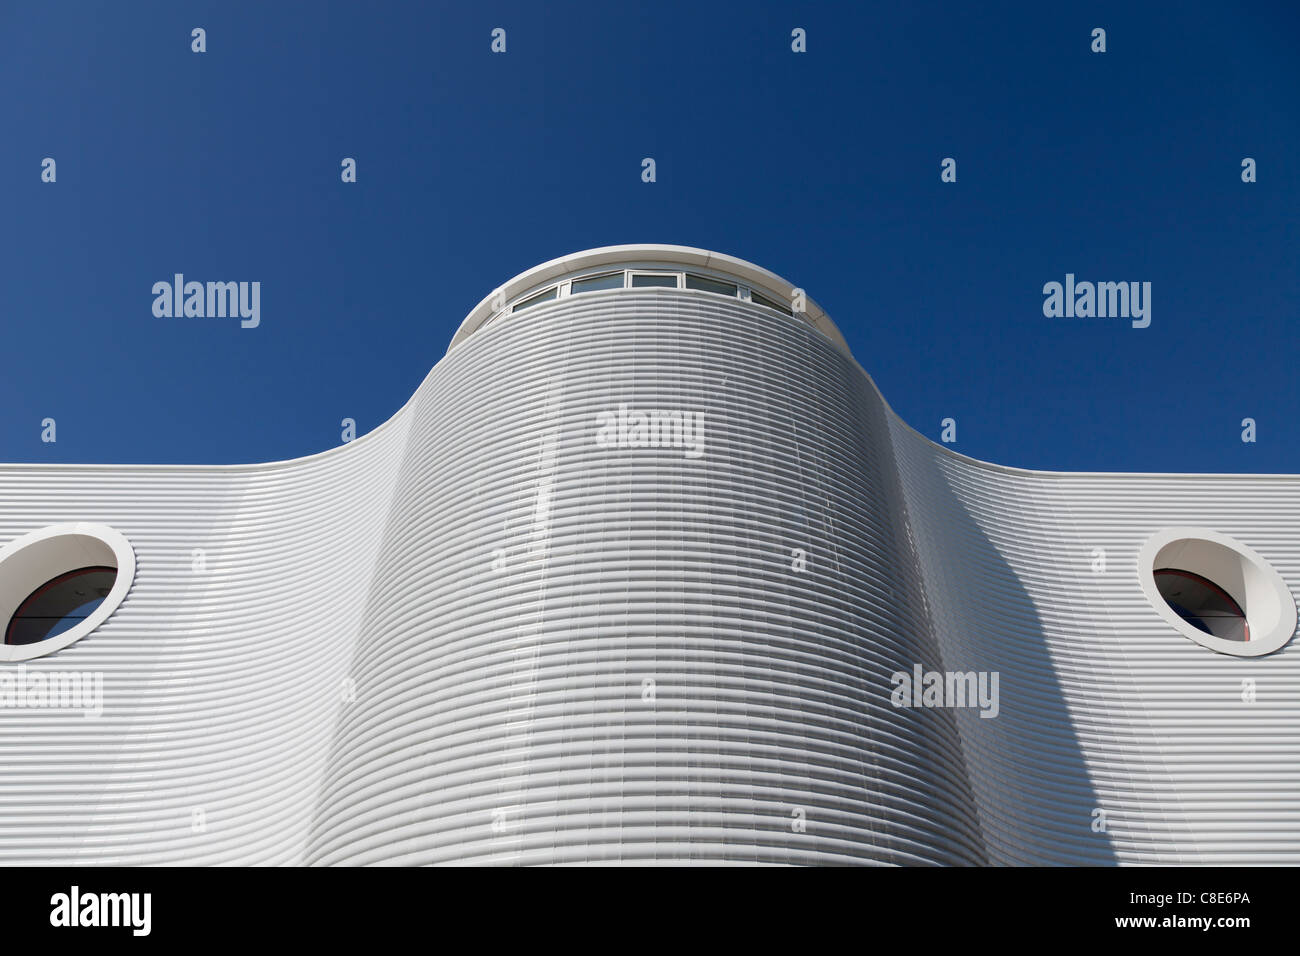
{"x": 1217, "y": 592}
{"x": 58, "y": 584}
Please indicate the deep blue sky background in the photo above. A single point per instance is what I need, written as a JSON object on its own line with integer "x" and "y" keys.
{"x": 823, "y": 167}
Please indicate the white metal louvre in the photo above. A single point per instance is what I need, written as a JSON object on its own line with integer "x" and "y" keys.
{"x": 500, "y": 715}
{"x": 432, "y": 645}
{"x": 1105, "y": 706}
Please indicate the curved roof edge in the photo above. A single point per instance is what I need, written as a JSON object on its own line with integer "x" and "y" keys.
{"x": 685, "y": 255}
{"x": 746, "y": 272}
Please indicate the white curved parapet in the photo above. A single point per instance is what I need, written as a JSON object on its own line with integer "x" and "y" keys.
{"x": 653, "y": 573}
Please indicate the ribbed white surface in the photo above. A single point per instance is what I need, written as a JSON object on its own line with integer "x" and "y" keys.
{"x": 1104, "y": 706}
{"x": 499, "y": 588}
{"x": 219, "y": 687}
{"x": 515, "y": 696}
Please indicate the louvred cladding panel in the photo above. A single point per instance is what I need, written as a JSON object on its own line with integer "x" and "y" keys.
{"x": 633, "y": 577}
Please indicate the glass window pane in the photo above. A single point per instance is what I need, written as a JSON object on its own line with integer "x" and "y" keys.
{"x": 535, "y": 299}
{"x": 613, "y": 280}
{"x": 764, "y": 300}
{"x": 1203, "y": 604}
{"x": 60, "y": 605}
{"x": 710, "y": 285}
{"x": 644, "y": 281}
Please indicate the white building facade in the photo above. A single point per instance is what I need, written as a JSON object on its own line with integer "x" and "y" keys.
{"x": 643, "y": 572}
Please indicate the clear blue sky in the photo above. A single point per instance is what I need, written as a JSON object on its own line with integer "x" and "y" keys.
{"x": 823, "y": 167}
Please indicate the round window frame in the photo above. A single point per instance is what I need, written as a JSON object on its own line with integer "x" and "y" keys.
{"x": 1263, "y": 596}
{"x": 32, "y": 560}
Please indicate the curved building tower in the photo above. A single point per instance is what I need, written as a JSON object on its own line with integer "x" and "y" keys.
{"x": 647, "y": 571}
